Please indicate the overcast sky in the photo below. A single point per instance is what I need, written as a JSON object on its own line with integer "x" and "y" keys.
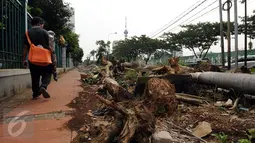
{"x": 96, "y": 19}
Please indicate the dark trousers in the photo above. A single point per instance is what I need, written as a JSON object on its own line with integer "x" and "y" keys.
{"x": 37, "y": 72}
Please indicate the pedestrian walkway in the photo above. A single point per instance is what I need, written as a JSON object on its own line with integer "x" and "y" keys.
{"x": 42, "y": 120}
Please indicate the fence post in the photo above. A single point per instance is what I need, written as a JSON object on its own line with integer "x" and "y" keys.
{"x": 24, "y": 17}
{"x": 64, "y": 58}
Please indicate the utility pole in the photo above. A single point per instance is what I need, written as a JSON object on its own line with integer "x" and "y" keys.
{"x": 109, "y": 48}
{"x": 221, "y": 35}
{"x": 236, "y": 33}
{"x": 229, "y": 36}
{"x": 229, "y": 5}
{"x": 245, "y": 38}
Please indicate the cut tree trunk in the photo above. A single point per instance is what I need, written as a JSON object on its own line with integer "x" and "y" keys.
{"x": 115, "y": 90}
{"x": 159, "y": 94}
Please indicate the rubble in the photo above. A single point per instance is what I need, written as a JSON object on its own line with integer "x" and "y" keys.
{"x": 159, "y": 114}
{"x": 202, "y": 129}
{"x": 115, "y": 90}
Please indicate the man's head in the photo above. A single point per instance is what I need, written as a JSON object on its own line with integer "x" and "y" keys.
{"x": 37, "y": 21}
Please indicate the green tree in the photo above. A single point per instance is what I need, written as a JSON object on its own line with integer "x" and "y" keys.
{"x": 102, "y": 49}
{"x": 56, "y": 14}
{"x": 170, "y": 44}
{"x": 77, "y": 55}
{"x": 122, "y": 50}
{"x": 87, "y": 61}
{"x": 148, "y": 47}
{"x": 72, "y": 39}
{"x": 132, "y": 48}
{"x": 250, "y": 27}
{"x": 160, "y": 53}
{"x": 93, "y": 53}
{"x": 199, "y": 37}
{"x": 143, "y": 46}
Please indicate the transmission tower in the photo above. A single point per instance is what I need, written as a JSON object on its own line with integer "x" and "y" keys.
{"x": 126, "y": 31}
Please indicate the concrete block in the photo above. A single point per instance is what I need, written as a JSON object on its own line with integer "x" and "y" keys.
{"x": 13, "y": 81}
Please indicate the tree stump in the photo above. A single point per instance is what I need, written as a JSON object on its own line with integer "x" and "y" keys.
{"x": 160, "y": 96}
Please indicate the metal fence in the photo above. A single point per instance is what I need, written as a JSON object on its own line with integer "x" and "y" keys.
{"x": 215, "y": 58}
{"x": 11, "y": 33}
{"x": 58, "y": 51}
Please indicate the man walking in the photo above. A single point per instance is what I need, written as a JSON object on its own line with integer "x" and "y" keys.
{"x": 39, "y": 37}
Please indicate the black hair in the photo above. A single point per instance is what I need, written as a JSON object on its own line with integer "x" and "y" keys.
{"x": 37, "y": 21}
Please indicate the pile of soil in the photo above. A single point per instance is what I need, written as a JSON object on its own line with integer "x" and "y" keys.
{"x": 82, "y": 104}
{"x": 231, "y": 123}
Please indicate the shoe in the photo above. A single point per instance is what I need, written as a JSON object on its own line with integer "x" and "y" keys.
{"x": 36, "y": 95}
{"x": 44, "y": 92}
{"x": 55, "y": 76}
{"x": 34, "y": 98}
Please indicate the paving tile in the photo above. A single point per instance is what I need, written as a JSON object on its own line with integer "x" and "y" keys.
{"x": 44, "y": 118}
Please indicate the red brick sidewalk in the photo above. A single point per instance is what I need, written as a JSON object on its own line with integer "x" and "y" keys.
{"x": 44, "y": 118}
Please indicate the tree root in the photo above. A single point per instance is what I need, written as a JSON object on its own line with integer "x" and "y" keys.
{"x": 137, "y": 118}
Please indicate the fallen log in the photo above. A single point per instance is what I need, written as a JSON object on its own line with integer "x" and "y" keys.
{"x": 115, "y": 90}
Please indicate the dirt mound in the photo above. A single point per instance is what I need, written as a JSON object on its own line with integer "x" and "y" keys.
{"x": 82, "y": 104}
{"x": 230, "y": 123}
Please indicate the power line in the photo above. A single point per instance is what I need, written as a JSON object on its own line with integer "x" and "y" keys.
{"x": 211, "y": 10}
{"x": 203, "y": 14}
{"x": 153, "y": 33}
{"x": 180, "y": 18}
{"x": 196, "y": 14}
